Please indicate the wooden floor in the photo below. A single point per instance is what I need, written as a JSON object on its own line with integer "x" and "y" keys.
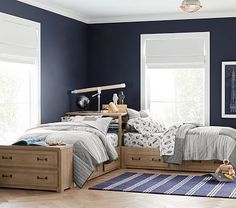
{"x": 84, "y": 198}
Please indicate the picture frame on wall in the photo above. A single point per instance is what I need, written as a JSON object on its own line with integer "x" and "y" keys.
{"x": 228, "y": 92}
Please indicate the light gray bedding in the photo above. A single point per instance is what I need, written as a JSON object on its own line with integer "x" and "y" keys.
{"x": 90, "y": 145}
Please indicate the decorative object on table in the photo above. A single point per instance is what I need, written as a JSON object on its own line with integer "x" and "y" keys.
{"x": 121, "y": 98}
{"x": 228, "y": 89}
{"x": 191, "y": 5}
{"x": 184, "y": 185}
{"x": 82, "y": 102}
{"x": 115, "y": 98}
{"x": 121, "y": 108}
{"x": 112, "y": 108}
{"x": 99, "y": 91}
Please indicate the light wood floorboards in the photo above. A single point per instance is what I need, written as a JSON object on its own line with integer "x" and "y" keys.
{"x": 84, "y": 198}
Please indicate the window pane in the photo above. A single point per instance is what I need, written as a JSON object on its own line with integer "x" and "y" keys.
{"x": 176, "y": 95}
{"x": 162, "y": 84}
{"x": 15, "y": 104}
{"x": 13, "y": 122}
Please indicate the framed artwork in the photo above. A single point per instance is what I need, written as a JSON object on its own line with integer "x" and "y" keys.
{"x": 228, "y": 91}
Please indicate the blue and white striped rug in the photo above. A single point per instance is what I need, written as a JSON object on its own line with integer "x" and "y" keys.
{"x": 169, "y": 184}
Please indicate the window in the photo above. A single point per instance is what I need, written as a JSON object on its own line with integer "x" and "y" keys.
{"x": 19, "y": 77}
{"x": 175, "y": 77}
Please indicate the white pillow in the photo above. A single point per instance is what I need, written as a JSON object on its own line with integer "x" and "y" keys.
{"x": 100, "y": 124}
{"x": 137, "y": 114}
{"x": 144, "y": 113}
{"x": 133, "y": 113}
{"x": 146, "y": 125}
{"x": 97, "y": 122}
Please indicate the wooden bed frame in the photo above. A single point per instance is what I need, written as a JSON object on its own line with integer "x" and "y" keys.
{"x": 149, "y": 158}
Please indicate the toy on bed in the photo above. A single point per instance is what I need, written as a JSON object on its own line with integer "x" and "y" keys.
{"x": 226, "y": 169}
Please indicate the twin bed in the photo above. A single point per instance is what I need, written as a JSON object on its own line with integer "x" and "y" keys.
{"x": 148, "y": 145}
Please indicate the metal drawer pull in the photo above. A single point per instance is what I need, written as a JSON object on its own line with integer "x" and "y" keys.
{"x": 156, "y": 160}
{"x": 6, "y": 176}
{"x": 42, "y": 178}
{"x": 136, "y": 158}
{"x": 7, "y": 158}
{"x": 42, "y": 159}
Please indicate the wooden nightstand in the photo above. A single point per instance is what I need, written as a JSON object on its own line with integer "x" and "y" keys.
{"x": 36, "y": 167}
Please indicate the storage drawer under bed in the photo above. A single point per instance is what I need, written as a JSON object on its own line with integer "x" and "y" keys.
{"x": 142, "y": 158}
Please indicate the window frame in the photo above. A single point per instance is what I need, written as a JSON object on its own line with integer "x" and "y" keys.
{"x": 143, "y": 78}
{"x": 37, "y": 27}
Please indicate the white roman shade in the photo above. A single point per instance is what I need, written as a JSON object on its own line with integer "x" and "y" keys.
{"x": 177, "y": 52}
{"x": 20, "y": 97}
{"x": 18, "y": 40}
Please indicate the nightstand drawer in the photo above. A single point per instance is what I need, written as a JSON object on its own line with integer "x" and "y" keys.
{"x": 30, "y": 178}
{"x": 37, "y": 159}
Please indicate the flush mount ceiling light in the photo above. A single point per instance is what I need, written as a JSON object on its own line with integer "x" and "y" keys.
{"x": 191, "y": 5}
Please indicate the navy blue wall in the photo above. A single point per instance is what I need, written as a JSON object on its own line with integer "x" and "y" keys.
{"x": 114, "y": 55}
{"x": 63, "y": 56}
{"x": 75, "y": 55}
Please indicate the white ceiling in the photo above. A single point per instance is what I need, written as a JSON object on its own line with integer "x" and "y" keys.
{"x": 96, "y": 11}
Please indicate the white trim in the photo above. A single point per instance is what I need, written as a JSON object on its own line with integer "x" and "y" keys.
{"x": 163, "y": 17}
{"x": 207, "y": 68}
{"x": 224, "y": 63}
{"x": 126, "y": 18}
{"x": 206, "y": 37}
{"x": 142, "y": 73}
{"x": 39, "y": 75}
{"x": 73, "y": 14}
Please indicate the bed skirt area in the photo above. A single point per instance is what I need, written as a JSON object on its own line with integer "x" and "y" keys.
{"x": 149, "y": 158}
